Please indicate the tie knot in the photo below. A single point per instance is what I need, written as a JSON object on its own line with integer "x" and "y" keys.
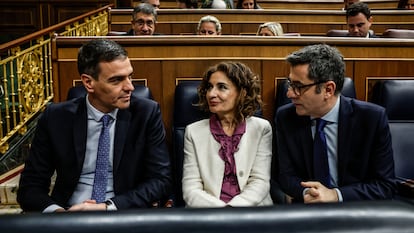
{"x": 320, "y": 124}
{"x": 106, "y": 119}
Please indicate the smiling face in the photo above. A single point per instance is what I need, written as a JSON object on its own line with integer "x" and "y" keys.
{"x": 208, "y": 29}
{"x": 222, "y": 95}
{"x": 359, "y": 25}
{"x": 113, "y": 88}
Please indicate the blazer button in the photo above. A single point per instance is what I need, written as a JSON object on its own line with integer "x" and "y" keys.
{"x": 241, "y": 173}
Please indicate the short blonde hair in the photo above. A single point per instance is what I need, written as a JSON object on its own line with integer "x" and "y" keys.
{"x": 275, "y": 28}
{"x": 210, "y": 18}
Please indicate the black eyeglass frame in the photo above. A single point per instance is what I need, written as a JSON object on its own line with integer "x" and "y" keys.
{"x": 297, "y": 88}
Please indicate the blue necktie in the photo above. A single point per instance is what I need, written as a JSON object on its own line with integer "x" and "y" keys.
{"x": 320, "y": 154}
{"x": 102, "y": 162}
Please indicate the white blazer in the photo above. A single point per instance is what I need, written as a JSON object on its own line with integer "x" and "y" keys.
{"x": 203, "y": 169}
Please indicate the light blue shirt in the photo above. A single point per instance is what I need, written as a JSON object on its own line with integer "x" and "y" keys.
{"x": 83, "y": 190}
{"x": 331, "y": 132}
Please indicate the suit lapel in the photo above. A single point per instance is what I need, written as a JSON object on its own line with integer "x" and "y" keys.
{"x": 344, "y": 135}
{"x": 307, "y": 142}
{"x": 80, "y": 129}
{"x": 121, "y": 131}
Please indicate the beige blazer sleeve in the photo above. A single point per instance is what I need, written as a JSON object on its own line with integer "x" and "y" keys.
{"x": 203, "y": 169}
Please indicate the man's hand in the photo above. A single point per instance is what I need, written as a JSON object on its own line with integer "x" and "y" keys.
{"x": 317, "y": 192}
{"x": 88, "y": 205}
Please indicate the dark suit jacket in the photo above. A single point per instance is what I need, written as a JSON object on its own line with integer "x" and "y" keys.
{"x": 141, "y": 166}
{"x": 365, "y": 157}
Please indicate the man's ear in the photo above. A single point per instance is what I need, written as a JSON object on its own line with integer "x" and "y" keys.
{"x": 88, "y": 82}
{"x": 330, "y": 88}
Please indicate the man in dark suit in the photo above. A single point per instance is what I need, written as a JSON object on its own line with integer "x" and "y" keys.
{"x": 358, "y": 162}
{"x": 68, "y": 140}
{"x": 359, "y": 20}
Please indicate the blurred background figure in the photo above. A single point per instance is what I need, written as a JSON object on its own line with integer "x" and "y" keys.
{"x": 154, "y": 3}
{"x": 247, "y": 4}
{"x": 359, "y": 20}
{"x": 217, "y": 4}
{"x": 209, "y": 26}
{"x": 187, "y": 4}
{"x": 406, "y": 4}
{"x": 347, "y": 3}
{"x": 270, "y": 29}
{"x": 144, "y": 18}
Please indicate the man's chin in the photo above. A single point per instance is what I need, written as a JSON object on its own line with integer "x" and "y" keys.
{"x": 124, "y": 104}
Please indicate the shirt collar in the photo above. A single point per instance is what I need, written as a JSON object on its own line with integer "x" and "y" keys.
{"x": 95, "y": 113}
{"x": 333, "y": 114}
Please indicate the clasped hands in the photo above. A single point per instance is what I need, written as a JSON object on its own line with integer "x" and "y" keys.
{"x": 317, "y": 192}
{"x": 88, "y": 205}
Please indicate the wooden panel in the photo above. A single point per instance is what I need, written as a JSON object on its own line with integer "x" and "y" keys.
{"x": 235, "y": 22}
{"x": 21, "y": 17}
{"x": 15, "y": 19}
{"x": 164, "y": 4}
{"x": 163, "y": 60}
{"x": 322, "y": 4}
{"x": 297, "y": 4}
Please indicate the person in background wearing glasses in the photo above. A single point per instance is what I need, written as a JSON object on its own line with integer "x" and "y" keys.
{"x": 144, "y": 20}
{"x": 358, "y": 160}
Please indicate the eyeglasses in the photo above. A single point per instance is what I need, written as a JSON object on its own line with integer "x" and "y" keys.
{"x": 141, "y": 22}
{"x": 297, "y": 88}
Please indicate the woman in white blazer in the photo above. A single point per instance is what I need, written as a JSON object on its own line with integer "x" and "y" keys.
{"x": 227, "y": 158}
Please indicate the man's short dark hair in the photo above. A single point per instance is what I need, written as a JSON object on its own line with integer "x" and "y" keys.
{"x": 359, "y": 7}
{"x": 325, "y": 63}
{"x": 96, "y": 51}
{"x": 145, "y": 8}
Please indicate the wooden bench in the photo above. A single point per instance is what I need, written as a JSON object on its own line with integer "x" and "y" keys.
{"x": 164, "y": 61}
{"x": 296, "y": 4}
{"x": 236, "y": 22}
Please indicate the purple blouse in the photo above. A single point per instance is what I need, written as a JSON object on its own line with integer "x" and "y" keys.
{"x": 229, "y": 145}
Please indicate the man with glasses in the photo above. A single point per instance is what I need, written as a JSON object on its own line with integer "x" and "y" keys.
{"x": 144, "y": 19}
{"x": 330, "y": 148}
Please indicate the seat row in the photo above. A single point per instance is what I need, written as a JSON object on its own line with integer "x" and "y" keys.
{"x": 395, "y": 95}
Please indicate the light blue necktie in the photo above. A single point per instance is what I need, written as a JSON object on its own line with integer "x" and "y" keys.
{"x": 320, "y": 154}
{"x": 102, "y": 162}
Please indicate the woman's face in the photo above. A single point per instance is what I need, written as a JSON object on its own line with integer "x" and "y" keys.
{"x": 265, "y": 32}
{"x": 410, "y": 5}
{"x": 221, "y": 95}
{"x": 208, "y": 29}
{"x": 248, "y": 4}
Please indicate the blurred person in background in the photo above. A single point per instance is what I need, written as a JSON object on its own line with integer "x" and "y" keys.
{"x": 270, "y": 29}
{"x": 209, "y": 26}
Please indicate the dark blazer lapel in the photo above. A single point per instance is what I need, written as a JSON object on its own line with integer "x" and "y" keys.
{"x": 307, "y": 140}
{"x": 344, "y": 135}
{"x": 80, "y": 132}
{"x": 121, "y": 131}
